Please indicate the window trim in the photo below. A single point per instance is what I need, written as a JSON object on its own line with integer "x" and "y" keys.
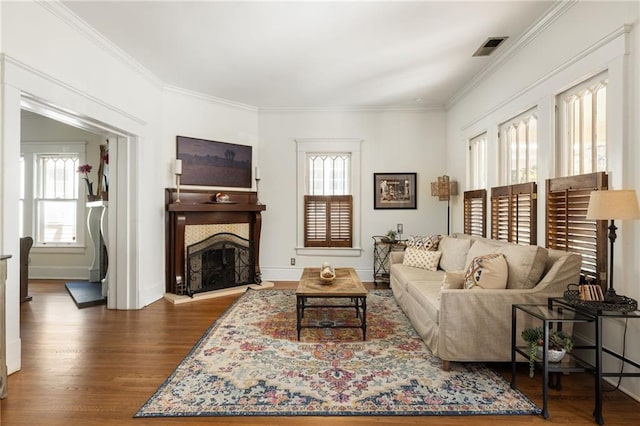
{"x": 305, "y": 146}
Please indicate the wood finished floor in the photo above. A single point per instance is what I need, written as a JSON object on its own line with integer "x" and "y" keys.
{"x": 97, "y": 367}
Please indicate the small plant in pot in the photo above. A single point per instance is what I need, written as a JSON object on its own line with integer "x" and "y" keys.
{"x": 390, "y": 237}
{"x": 559, "y": 344}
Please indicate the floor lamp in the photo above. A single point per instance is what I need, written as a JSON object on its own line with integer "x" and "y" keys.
{"x": 611, "y": 205}
{"x": 444, "y": 188}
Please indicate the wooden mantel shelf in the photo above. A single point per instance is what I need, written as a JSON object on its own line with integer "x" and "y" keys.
{"x": 215, "y": 207}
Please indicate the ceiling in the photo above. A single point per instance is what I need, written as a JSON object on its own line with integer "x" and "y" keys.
{"x": 271, "y": 54}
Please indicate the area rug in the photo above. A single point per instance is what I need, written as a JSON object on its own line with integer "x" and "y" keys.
{"x": 85, "y": 293}
{"x": 250, "y": 363}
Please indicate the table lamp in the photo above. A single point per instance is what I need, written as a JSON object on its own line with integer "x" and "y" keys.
{"x": 610, "y": 205}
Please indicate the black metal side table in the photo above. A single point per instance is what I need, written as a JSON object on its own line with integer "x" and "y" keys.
{"x": 381, "y": 252}
{"x": 550, "y": 317}
{"x": 599, "y": 315}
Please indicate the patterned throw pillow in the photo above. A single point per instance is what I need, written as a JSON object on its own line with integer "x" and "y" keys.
{"x": 488, "y": 271}
{"x": 429, "y": 242}
{"x": 419, "y": 258}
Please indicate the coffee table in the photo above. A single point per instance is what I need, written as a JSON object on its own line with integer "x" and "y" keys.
{"x": 347, "y": 285}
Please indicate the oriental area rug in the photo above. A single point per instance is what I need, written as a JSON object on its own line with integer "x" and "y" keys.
{"x": 250, "y": 363}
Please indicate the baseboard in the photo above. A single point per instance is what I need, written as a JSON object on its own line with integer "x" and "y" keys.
{"x": 77, "y": 273}
{"x": 14, "y": 349}
{"x": 180, "y": 299}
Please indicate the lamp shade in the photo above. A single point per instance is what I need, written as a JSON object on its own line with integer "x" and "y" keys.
{"x": 619, "y": 204}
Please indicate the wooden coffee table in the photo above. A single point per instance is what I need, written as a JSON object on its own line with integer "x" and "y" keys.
{"x": 347, "y": 285}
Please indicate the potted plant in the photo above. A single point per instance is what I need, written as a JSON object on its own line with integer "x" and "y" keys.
{"x": 390, "y": 237}
{"x": 559, "y": 344}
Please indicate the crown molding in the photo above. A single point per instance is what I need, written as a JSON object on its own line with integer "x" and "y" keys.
{"x": 621, "y": 31}
{"x": 65, "y": 14}
{"x": 551, "y": 15}
{"x": 355, "y": 108}
{"x": 6, "y": 59}
{"x": 209, "y": 98}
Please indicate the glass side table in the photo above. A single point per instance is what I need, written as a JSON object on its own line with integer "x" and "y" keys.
{"x": 600, "y": 349}
{"x": 550, "y": 317}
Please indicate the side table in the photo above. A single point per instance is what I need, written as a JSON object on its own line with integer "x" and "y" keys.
{"x": 599, "y": 315}
{"x": 381, "y": 251}
{"x": 550, "y": 316}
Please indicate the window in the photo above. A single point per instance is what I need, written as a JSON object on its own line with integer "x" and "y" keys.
{"x": 519, "y": 148}
{"x": 49, "y": 197}
{"x": 328, "y": 189}
{"x": 478, "y": 162}
{"x": 582, "y": 124}
{"x": 327, "y": 210}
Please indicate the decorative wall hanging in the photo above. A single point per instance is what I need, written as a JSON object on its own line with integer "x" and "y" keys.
{"x": 211, "y": 163}
{"x": 394, "y": 191}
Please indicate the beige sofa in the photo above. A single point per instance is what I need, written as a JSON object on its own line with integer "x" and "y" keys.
{"x": 475, "y": 325}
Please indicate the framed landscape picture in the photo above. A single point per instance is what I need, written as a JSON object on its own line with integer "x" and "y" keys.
{"x": 394, "y": 191}
{"x": 212, "y": 163}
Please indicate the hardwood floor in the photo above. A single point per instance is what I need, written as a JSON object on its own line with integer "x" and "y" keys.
{"x": 97, "y": 367}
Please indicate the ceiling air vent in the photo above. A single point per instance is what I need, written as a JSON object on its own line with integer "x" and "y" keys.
{"x": 489, "y": 46}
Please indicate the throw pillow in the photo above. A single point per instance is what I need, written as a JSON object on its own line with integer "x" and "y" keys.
{"x": 418, "y": 258}
{"x": 526, "y": 263}
{"x": 488, "y": 271}
{"x": 454, "y": 253}
{"x": 453, "y": 280}
{"x": 429, "y": 242}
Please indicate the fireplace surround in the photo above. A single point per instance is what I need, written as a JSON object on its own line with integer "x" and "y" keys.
{"x": 195, "y": 209}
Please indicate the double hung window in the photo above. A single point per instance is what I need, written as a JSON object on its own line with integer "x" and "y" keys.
{"x": 50, "y": 194}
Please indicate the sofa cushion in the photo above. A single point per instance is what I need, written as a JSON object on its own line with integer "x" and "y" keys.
{"x": 427, "y": 296}
{"x": 525, "y": 263}
{"x": 454, "y": 253}
{"x": 424, "y": 259}
{"x": 488, "y": 271}
{"x": 453, "y": 280}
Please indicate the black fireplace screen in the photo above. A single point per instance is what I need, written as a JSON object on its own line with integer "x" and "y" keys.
{"x": 220, "y": 261}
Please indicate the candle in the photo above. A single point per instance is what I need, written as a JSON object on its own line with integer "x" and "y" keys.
{"x": 257, "y": 173}
{"x": 178, "y": 167}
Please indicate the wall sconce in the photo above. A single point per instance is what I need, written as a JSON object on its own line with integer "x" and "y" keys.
{"x": 177, "y": 170}
{"x": 444, "y": 188}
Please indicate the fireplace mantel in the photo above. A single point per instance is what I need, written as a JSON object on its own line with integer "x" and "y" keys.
{"x": 196, "y": 208}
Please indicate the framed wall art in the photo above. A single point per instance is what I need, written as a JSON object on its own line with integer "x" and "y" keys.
{"x": 212, "y": 163}
{"x": 394, "y": 191}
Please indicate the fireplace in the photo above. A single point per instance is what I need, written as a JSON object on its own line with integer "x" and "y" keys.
{"x": 211, "y": 246}
{"x": 220, "y": 261}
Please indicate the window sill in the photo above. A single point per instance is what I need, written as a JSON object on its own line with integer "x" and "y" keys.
{"x": 58, "y": 249}
{"x": 332, "y": 252}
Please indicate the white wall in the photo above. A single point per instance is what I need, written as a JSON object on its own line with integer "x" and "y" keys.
{"x": 394, "y": 141}
{"x": 59, "y": 62}
{"x": 54, "y": 263}
{"x": 589, "y": 38}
